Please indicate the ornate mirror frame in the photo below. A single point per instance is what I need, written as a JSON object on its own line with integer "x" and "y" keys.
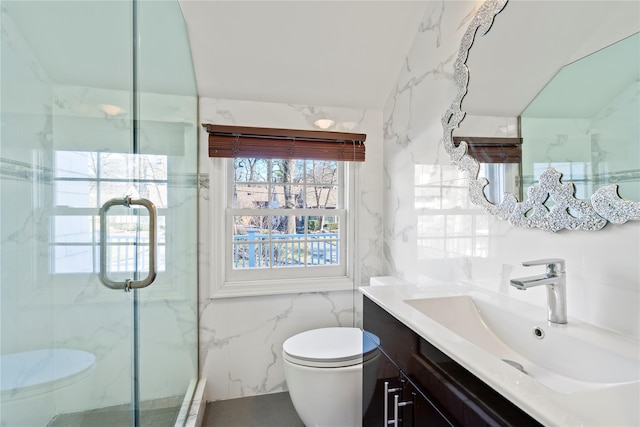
{"x": 604, "y": 206}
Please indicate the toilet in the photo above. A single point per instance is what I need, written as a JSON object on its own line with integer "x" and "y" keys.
{"x": 331, "y": 374}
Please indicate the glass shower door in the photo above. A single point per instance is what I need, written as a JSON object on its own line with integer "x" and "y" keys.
{"x": 85, "y": 121}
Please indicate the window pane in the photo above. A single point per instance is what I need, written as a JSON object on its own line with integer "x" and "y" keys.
{"x": 482, "y": 225}
{"x": 250, "y": 242}
{"x": 70, "y": 164}
{"x": 283, "y": 171}
{"x": 73, "y": 259}
{"x": 156, "y": 193}
{"x": 462, "y": 246}
{"x": 322, "y": 196}
{"x": 283, "y": 224}
{"x": 152, "y": 167}
{"x": 76, "y": 194}
{"x": 287, "y": 197}
{"x": 112, "y": 190}
{"x": 431, "y": 226}
{"x": 73, "y": 229}
{"x": 328, "y": 224}
{"x": 323, "y": 249}
{"x": 321, "y": 172}
{"x": 251, "y": 170}
{"x": 116, "y": 165}
{"x": 289, "y": 250}
{"x": 459, "y": 225}
{"x": 427, "y": 197}
{"x": 244, "y": 224}
{"x": 251, "y": 196}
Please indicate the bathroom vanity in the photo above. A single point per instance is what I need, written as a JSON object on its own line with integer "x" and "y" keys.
{"x": 431, "y": 388}
{"x": 457, "y": 355}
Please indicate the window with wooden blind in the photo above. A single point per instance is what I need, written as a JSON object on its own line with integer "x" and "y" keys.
{"x": 272, "y": 143}
{"x": 285, "y": 222}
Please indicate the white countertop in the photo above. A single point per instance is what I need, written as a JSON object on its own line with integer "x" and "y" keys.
{"x": 611, "y": 405}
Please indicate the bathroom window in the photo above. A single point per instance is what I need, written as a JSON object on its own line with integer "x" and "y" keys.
{"x": 285, "y": 213}
{"x": 285, "y": 226}
{"x": 84, "y": 181}
{"x": 284, "y": 222}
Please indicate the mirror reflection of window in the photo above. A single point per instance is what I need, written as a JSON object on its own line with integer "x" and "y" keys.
{"x": 503, "y": 178}
{"x": 500, "y": 163}
{"x": 447, "y": 222}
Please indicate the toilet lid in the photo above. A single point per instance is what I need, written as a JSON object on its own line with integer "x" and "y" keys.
{"x": 330, "y": 347}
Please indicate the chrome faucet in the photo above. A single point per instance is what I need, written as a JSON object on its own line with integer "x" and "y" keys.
{"x": 555, "y": 280}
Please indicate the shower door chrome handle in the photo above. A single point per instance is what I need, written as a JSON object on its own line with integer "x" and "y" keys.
{"x": 128, "y": 284}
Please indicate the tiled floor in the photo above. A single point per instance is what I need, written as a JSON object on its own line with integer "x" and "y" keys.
{"x": 269, "y": 410}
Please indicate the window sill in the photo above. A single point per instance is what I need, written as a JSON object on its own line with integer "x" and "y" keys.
{"x": 280, "y": 287}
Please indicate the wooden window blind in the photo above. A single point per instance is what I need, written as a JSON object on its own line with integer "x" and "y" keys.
{"x": 272, "y": 143}
{"x": 492, "y": 149}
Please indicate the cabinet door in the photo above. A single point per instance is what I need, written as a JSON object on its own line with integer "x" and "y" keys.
{"x": 397, "y": 402}
{"x": 387, "y": 373}
{"x": 420, "y": 412}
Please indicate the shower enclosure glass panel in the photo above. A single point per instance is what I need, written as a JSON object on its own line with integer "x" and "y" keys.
{"x": 168, "y": 134}
{"x": 98, "y": 101}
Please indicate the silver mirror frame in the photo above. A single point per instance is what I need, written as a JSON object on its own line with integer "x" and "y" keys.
{"x": 605, "y": 205}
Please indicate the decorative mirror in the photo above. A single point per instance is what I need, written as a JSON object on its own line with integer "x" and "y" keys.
{"x": 559, "y": 81}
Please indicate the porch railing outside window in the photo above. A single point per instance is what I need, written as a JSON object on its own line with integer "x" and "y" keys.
{"x": 255, "y": 250}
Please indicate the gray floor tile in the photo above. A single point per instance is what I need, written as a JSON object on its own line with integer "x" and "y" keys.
{"x": 269, "y": 410}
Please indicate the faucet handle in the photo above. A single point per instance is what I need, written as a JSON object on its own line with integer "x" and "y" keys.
{"x": 554, "y": 265}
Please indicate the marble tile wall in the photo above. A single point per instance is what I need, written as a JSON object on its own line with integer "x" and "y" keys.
{"x": 25, "y": 157}
{"x": 241, "y": 338}
{"x": 442, "y": 237}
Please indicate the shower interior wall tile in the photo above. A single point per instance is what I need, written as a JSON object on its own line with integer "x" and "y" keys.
{"x": 166, "y": 328}
{"x": 25, "y": 194}
{"x": 106, "y": 332}
{"x": 603, "y": 286}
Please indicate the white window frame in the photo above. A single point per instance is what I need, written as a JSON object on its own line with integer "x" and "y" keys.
{"x": 227, "y": 283}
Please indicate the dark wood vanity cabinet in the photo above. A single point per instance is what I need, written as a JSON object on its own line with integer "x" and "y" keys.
{"x": 439, "y": 391}
{"x": 396, "y": 397}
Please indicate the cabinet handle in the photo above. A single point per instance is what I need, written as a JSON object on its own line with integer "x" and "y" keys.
{"x": 396, "y": 406}
{"x": 388, "y": 391}
{"x": 396, "y": 409}
{"x": 395, "y": 422}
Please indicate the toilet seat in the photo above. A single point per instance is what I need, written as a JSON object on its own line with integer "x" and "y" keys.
{"x": 330, "y": 347}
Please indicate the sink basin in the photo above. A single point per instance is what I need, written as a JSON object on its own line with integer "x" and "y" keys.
{"x": 565, "y": 358}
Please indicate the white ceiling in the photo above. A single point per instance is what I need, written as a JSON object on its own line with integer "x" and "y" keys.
{"x": 310, "y": 52}
{"x": 349, "y": 53}
{"x": 324, "y": 53}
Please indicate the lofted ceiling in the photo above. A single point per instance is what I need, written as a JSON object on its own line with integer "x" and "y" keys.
{"x": 324, "y": 53}
{"x": 310, "y": 52}
{"x": 349, "y": 53}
